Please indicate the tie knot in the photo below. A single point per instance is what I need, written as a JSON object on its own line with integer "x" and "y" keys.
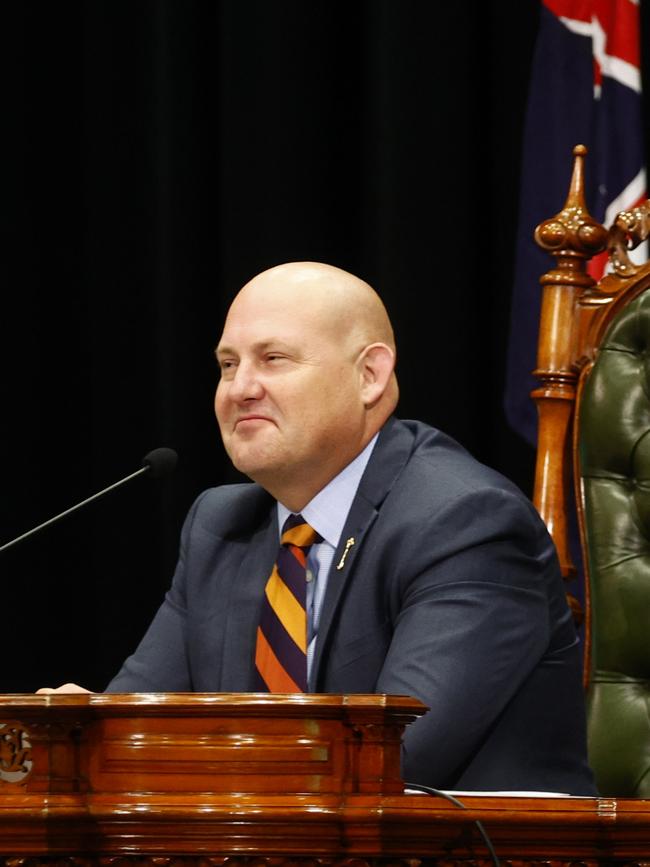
{"x": 296, "y": 531}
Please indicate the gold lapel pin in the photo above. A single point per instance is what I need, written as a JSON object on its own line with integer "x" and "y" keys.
{"x": 348, "y": 545}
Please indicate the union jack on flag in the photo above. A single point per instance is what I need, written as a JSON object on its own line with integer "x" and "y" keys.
{"x": 585, "y": 88}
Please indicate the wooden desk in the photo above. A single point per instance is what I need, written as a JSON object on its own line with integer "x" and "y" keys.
{"x": 205, "y": 780}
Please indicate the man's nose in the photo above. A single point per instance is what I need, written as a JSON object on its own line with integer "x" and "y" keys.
{"x": 246, "y": 384}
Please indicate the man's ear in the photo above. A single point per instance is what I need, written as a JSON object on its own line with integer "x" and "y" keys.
{"x": 376, "y": 365}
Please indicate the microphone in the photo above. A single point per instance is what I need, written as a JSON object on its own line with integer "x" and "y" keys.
{"x": 159, "y": 462}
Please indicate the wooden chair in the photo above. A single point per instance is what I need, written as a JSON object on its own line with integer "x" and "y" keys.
{"x": 594, "y": 432}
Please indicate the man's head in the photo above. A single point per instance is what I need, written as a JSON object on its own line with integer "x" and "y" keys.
{"x": 307, "y": 361}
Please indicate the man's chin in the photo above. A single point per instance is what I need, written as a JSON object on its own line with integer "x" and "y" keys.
{"x": 256, "y": 467}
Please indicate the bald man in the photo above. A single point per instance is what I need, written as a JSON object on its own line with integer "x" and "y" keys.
{"x": 431, "y": 575}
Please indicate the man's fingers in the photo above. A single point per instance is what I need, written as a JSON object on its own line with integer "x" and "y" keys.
{"x": 66, "y": 688}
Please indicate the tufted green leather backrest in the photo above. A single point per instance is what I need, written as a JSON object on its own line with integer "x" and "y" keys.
{"x": 614, "y": 468}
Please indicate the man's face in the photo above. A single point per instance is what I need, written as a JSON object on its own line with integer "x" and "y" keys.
{"x": 289, "y": 399}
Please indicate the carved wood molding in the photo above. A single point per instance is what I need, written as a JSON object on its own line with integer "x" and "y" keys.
{"x": 258, "y": 861}
{"x": 223, "y": 861}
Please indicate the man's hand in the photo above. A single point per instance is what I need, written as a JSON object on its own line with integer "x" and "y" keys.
{"x": 67, "y": 687}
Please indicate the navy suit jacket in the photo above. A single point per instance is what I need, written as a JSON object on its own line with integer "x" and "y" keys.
{"x": 451, "y": 593}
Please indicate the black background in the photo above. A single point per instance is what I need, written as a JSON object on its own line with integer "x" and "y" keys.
{"x": 159, "y": 154}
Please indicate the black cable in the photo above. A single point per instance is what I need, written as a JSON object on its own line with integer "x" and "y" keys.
{"x": 440, "y": 794}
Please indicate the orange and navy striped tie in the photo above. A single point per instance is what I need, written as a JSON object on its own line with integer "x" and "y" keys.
{"x": 281, "y": 651}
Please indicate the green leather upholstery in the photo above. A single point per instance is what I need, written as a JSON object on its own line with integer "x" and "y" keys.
{"x": 614, "y": 456}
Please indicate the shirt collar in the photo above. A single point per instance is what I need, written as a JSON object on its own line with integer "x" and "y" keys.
{"x": 327, "y": 512}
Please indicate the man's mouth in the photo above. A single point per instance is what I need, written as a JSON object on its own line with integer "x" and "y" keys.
{"x": 247, "y": 420}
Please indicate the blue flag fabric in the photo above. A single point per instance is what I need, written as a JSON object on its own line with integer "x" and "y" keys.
{"x": 585, "y": 88}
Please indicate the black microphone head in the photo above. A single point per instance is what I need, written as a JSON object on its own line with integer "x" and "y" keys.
{"x": 161, "y": 462}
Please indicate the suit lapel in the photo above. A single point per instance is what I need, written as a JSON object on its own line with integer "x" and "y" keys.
{"x": 384, "y": 467}
{"x": 361, "y": 517}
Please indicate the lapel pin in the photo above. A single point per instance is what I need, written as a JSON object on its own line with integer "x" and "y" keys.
{"x": 348, "y": 545}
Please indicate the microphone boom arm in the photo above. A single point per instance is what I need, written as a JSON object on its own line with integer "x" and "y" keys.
{"x": 158, "y": 462}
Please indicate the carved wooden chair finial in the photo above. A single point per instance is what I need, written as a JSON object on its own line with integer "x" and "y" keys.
{"x": 572, "y": 237}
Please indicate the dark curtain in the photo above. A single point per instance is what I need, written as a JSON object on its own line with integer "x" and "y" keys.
{"x": 160, "y": 154}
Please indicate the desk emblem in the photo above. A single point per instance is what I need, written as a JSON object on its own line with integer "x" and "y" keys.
{"x": 15, "y": 752}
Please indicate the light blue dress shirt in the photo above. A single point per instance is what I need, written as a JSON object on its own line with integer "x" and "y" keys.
{"x": 327, "y": 514}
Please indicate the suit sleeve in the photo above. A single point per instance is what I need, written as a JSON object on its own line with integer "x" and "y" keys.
{"x": 472, "y": 624}
{"x": 160, "y": 662}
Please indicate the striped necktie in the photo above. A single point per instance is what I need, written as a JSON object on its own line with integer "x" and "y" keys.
{"x": 281, "y": 651}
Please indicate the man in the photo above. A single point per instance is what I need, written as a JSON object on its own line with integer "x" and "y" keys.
{"x": 431, "y": 575}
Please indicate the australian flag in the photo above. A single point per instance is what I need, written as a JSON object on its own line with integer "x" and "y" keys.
{"x": 585, "y": 88}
